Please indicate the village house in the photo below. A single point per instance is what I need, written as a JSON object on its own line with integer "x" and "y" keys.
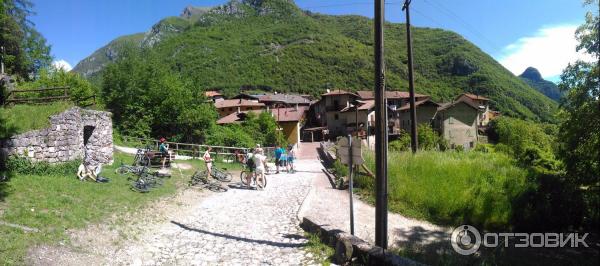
{"x": 289, "y": 119}
{"x": 482, "y": 103}
{"x": 327, "y": 111}
{"x": 214, "y": 95}
{"x": 426, "y": 113}
{"x": 276, "y": 100}
{"x": 457, "y": 122}
{"x": 230, "y": 106}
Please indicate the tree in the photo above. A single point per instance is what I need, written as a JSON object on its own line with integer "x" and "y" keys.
{"x": 25, "y": 49}
{"x": 80, "y": 88}
{"x": 580, "y": 113}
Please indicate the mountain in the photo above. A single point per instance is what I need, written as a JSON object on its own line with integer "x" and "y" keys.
{"x": 274, "y": 45}
{"x": 533, "y": 77}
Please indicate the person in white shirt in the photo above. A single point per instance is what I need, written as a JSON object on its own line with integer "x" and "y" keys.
{"x": 259, "y": 162}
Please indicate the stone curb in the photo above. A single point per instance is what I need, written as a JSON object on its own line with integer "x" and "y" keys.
{"x": 365, "y": 253}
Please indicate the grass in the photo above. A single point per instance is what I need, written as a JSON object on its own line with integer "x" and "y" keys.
{"x": 322, "y": 253}
{"x": 22, "y": 118}
{"x": 450, "y": 188}
{"x": 55, "y": 203}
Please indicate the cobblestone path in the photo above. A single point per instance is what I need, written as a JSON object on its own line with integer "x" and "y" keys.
{"x": 239, "y": 227}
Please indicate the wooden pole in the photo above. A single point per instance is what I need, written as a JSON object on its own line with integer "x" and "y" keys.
{"x": 411, "y": 82}
{"x": 381, "y": 135}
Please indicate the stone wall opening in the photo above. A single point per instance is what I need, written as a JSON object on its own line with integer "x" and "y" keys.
{"x": 74, "y": 134}
{"x": 87, "y": 133}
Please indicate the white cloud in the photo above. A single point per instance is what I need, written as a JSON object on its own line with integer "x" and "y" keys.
{"x": 550, "y": 50}
{"x": 58, "y": 64}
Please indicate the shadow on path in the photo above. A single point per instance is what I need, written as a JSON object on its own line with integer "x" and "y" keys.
{"x": 237, "y": 238}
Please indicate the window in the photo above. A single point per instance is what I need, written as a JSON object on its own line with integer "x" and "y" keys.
{"x": 336, "y": 117}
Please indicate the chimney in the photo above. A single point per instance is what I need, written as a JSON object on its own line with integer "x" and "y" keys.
{"x": 296, "y": 107}
{"x": 238, "y": 110}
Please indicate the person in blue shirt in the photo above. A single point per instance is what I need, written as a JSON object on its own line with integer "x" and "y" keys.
{"x": 278, "y": 152}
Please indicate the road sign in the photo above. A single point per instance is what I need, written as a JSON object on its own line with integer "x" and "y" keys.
{"x": 344, "y": 151}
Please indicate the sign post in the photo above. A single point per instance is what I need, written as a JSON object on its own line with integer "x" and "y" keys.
{"x": 350, "y": 154}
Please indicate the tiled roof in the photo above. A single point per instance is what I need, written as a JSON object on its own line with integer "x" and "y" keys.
{"x": 366, "y": 105}
{"x": 236, "y": 103}
{"x": 280, "y": 114}
{"x": 338, "y": 92}
{"x": 369, "y": 95}
{"x": 211, "y": 94}
{"x": 474, "y": 97}
{"x": 290, "y": 114}
{"x": 283, "y": 98}
{"x": 418, "y": 103}
{"x": 236, "y": 117}
{"x": 445, "y": 106}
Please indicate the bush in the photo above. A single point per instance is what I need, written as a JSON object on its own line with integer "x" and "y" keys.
{"x": 401, "y": 144}
{"x": 24, "y": 166}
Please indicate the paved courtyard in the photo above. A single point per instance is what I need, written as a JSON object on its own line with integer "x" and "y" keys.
{"x": 239, "y": 227}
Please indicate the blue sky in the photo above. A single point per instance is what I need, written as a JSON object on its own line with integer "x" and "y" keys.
{"x": 518, "y": 33}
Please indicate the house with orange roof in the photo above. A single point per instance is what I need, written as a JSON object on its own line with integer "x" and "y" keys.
{"x": 227, "y": 107}
{"x": 214, "y": 95}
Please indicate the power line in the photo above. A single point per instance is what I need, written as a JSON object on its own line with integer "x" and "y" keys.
{"x": 464, "y": 23}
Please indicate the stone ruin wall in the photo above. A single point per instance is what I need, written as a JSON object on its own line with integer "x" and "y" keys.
{"x": 63, "y": 141}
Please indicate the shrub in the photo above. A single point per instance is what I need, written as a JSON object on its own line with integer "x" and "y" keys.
{"x": 25, "y": 166}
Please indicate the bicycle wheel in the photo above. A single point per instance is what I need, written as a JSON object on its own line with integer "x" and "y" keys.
{"x": 122, "y": 170}
{"x": 262, "y": 182}
{"x": 140, "y": 187}
{"x": 243, "y": 176}
{"x": 227, "y": 177}
{"x": 216, "y": 188}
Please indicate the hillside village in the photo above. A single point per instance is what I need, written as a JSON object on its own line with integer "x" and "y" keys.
{"x": 462, "y": 122}
{"x": 264, "y": 132}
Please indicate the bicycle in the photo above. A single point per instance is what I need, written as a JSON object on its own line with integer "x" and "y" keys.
{"x": 221, "y": 174}
{"x": 201, "y": 178}
{"x": 141, "y": 157}
{"x": 145, "y": 182}
{"x": 245, "y": 172}
{"x": 126, "y": 169}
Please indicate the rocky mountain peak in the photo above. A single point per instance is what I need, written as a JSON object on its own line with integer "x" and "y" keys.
{"x": 532, "y": 73}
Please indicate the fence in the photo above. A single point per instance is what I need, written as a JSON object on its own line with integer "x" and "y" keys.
{"x": 196, "y": 150}
{"x": 13, "y": 96}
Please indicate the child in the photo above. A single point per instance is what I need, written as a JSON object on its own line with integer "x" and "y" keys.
{"x": 290, "y": 158}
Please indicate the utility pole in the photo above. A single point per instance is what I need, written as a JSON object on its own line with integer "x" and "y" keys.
{"x": 381, "y": 134}
{"x": 414, "y": 143}
{"x": 2, "y": 62}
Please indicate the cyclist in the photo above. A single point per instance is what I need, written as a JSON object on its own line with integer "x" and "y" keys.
{"x": 248, "y": 159}
{"x": 164, "y": 151}
{"x": 278, "y": 152}
{"x": 260, "y": 164}
{"x": 291, "y": 156}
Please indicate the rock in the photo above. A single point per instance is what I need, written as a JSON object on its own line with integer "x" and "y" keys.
{"x": 343, "y": 251}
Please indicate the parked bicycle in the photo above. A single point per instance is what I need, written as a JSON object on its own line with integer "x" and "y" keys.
{"x": 147, "y": 181}
{"x": 221, "y": 174}
{"x": 129, "y": 169}
{"x": 253, "y": 180}
{"x": 202, "y": 179}
{"x": 141, "y": 157}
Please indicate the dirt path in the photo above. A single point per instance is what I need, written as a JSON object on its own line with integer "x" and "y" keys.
{"x": 402, "y": 231}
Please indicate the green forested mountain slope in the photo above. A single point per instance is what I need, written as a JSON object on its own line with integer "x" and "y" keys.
{"x": 272, "y": 44}
{"x": 533, "y": 77}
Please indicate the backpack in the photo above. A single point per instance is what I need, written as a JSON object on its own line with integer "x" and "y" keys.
{"x": 250, "y": 162}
